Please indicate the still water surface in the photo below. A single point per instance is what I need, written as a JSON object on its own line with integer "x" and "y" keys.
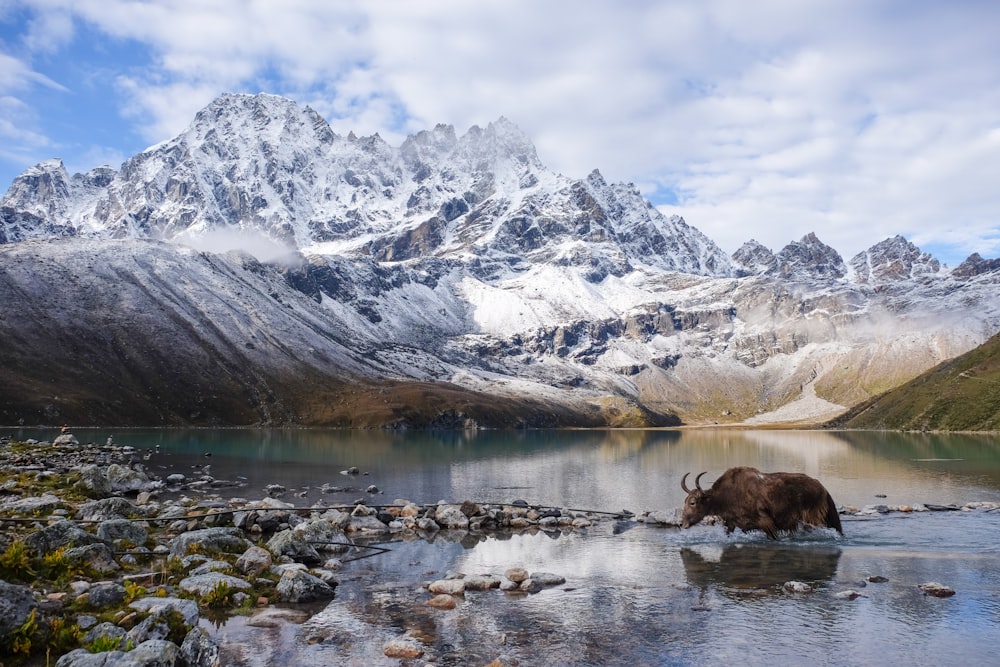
{"x": 635, "y": 594}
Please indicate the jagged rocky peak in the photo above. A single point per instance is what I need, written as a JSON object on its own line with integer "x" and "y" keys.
{"x": 262, "y": 115}
{"x": 753, "y": 258}
{"x": 892, "y": 259}
{"x": 975, "y": 265}
{"x": 810, "y": 258}
{"x": 41, "y": 190}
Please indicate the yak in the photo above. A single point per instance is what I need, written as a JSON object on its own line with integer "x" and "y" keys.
{"x": 749, "y": 499}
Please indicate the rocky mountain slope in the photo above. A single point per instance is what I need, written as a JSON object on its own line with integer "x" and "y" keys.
{"x": 260, "y": 268}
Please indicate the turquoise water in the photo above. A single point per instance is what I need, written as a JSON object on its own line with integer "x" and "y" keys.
{"x": 635, "y": 594}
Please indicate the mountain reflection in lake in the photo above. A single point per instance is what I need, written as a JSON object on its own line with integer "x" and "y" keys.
{"x": 635, "y": 594}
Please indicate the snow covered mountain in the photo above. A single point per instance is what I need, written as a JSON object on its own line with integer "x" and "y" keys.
{"x": 260, "y": 268}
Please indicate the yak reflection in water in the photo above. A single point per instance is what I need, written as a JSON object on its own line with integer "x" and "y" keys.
{"x": 744, "y": 568}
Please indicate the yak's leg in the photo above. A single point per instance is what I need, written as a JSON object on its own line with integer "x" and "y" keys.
{"x": 766, "y": 523}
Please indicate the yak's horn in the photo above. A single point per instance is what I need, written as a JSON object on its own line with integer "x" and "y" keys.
{"x": 683, "y": 484}
{"x": 698, "y": 479}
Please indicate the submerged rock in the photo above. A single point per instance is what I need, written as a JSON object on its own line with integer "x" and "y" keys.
{"x": 937, "y": 590}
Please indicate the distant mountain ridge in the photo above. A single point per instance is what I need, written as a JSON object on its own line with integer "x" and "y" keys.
{"x": 383, "y": 278}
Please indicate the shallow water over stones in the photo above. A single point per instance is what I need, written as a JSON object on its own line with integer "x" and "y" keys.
{"x": 635, "y": 593}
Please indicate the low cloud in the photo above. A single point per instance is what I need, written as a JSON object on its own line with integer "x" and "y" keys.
{"x": 226, "y": 239}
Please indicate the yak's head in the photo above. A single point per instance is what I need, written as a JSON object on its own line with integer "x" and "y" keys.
{"x": 696, "y": 503}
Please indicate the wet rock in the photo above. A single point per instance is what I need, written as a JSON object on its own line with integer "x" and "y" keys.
{"x": 276, "y": 617}
{"x": 516, "y": 574}
{"x": 299, "y": 586}
{"x": 876, "y": 579}
{"x": 850, "y": 594}
{"x": 203, "y": 584}
{"x": 504, "y": 661}
{"x": 275, "y": 490}
{"x": 529, "y": 585}
{"x": 797, "y": 587}
{"x": 254, "y": 561}
{"x": 16, "y": 605}
{"x": 366, "y": 524}
{"x": 937, "y": 590}
{"x": 665, "y": 518}
{"x": 481, "y": 582}
{"x": 447, "y": 586}
{"x": 548, "y": 579}
{"x": 403, "y": 649}
{"x": 443, "y": 601}
{"x": 210, "y": 541}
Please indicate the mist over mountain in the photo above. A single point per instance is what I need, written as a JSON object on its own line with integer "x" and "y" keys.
{"x": 261, "y": 268}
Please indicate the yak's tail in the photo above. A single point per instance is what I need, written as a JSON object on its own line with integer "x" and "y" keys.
{"x": 832, "y": 515}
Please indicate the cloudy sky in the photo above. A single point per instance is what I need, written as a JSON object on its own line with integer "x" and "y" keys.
{"x": 854, "y": 119}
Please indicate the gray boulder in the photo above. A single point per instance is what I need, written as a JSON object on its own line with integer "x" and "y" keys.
{"x": 105, "y": 594}
{"x": 451, "y": 516}
{"x": 83, "y": 658}
{"x": 210, "y": 540}
{"x": 106, "y": 509}
{"x": 98, "y": 556}
{"x": 292, "y": 544}
{"x": 93, "y": 483}
{"x": 200, "y": 650}
{"x": 123, "y": 530}
{"x": 16, "y": 605}
{"x": 151, "y": 653}
{"x": 124, "y": 479}
{"x": 59, "y": 534}
{"x": 299, "y": 586}
{"x": 43, "y": 504}
{"x": 188, "y": 609}
{"x": 203, "y": 584}
{"x": 254, "y": 561}
{"x": 106, "y": 629}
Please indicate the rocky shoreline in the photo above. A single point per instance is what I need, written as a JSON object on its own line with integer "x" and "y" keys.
{"x": 97, "y": 568}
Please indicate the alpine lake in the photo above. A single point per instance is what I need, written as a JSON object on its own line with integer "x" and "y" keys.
{"x": 635, "y": 592}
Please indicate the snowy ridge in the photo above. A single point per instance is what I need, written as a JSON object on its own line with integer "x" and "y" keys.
{"x": 452, "y": 263}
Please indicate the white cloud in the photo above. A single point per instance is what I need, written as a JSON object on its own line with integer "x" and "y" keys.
{"x": 853, "y": 119}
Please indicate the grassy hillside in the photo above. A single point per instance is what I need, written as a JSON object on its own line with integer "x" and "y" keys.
{"x": 962, "y": 394}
